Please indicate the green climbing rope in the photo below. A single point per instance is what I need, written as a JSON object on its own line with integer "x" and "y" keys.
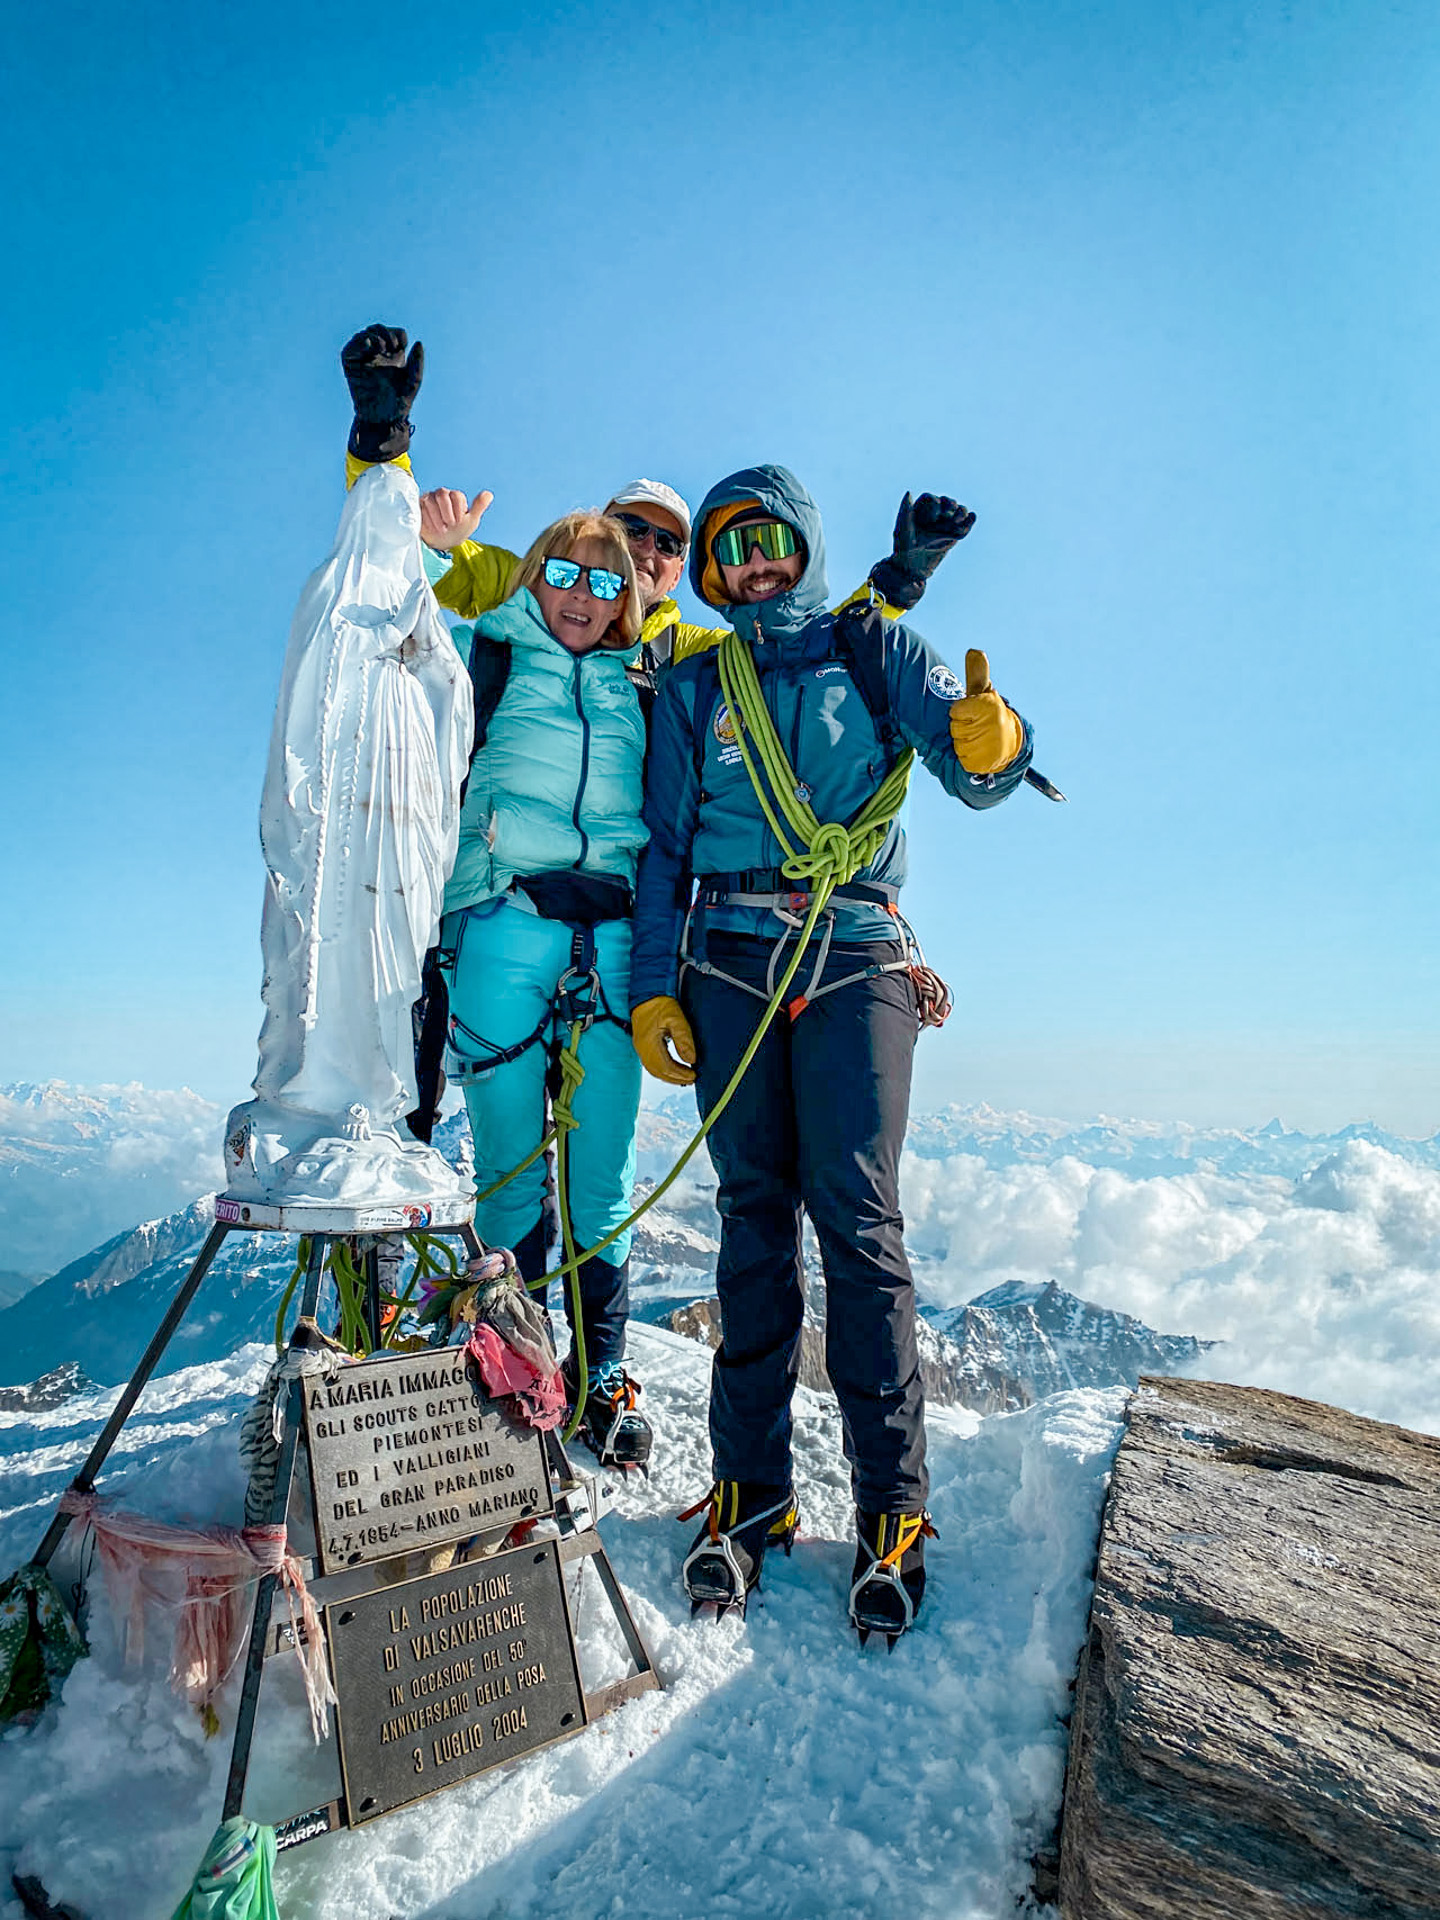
{"x": 828, "y": 855}
{"x": 562, "y": 1109}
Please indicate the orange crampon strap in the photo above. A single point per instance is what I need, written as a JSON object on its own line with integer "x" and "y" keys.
{"x": 932, "y": 994}
{"x": 715, "y": 1499}
{"x": 711, "y": 1500}
{"x": 909, "y": 1527}
{"x": 626, "y": 1394}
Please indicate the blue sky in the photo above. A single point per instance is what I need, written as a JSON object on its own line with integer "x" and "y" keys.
{"x": 1152, "y": 289}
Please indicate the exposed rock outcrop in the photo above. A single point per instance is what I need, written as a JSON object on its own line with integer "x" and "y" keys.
{"x": 1257, "y": 1714}
{"x": 50, "y": 1390}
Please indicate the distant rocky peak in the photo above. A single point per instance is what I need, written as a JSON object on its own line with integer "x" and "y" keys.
{"x": 1021, "y": 1340}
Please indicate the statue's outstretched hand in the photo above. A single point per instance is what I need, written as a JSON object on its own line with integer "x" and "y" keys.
{"x": 383, "y": 382}
{"x": 447, "y": 517}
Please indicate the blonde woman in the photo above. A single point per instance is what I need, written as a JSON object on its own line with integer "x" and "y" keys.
{"x": 537, "y": 926}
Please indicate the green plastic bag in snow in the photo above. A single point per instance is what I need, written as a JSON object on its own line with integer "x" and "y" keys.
{"x": 233, "y": 1882}
{"x": 39, "y": 1642}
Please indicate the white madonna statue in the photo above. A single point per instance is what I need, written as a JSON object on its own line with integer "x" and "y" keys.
{"x": 358, "y": 823}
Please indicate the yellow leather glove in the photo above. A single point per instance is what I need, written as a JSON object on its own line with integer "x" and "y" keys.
{"x": 654, "y": 1022}
{"x": 986, "y": 735}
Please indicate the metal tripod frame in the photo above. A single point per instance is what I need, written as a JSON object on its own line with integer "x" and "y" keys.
{"x": 576, "y": 1544}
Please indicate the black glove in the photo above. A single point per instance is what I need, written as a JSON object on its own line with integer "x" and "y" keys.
{"x": 925, "y": 531}
{"x": 383, "y": 385}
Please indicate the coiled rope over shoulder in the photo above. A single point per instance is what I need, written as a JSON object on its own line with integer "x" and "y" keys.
{"x": 828, "y": 854}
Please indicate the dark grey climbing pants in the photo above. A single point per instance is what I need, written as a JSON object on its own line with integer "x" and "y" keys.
{"x": 817, "y": 1124}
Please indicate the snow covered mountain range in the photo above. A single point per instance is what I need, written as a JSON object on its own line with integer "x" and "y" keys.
{"x": 1313, "y": 1258}
{"x": 78, "y": 1164}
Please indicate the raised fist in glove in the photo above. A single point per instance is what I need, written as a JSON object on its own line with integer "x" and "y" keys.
{"x": 925, "y": 531}
{"x": 652, "y": 1024}
{"x": 986, "y": 735}
{"x": 383, "y": 384}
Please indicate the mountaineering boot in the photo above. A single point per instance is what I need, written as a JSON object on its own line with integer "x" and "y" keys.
{"x": 889, "y": 1579}
{"x": 723, "y": 1566}
{"x": 610, "y": 1425}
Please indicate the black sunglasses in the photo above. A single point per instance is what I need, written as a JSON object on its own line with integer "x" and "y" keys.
{"x": 670, "y": 544}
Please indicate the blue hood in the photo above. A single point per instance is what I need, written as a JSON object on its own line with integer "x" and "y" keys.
{"x": 781, "y": 494}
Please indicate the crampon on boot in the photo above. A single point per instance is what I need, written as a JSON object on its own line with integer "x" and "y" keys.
{"x": 610, "y": 1425}
{"x": 723, "y": 1566}
{"x": 889, "y": 1579}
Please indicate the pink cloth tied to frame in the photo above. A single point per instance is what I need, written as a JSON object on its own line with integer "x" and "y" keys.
{"x": 540, "y": 1398}
{"x": 206, "y": 1574}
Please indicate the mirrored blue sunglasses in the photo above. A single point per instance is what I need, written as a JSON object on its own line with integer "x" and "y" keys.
{"x": 603, "y": 584}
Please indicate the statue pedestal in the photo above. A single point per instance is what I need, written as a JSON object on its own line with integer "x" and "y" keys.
{"x": 306, "y": 1216}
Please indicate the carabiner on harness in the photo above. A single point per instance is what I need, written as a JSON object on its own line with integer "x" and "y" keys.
{"x": 577, "y": 998}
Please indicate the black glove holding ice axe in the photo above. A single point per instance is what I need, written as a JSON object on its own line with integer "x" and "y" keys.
{"x": 383, "y": 384}
{"x": 925, "y": 531}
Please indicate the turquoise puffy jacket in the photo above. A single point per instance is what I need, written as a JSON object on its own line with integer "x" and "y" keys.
{"x": 558, "y": 782}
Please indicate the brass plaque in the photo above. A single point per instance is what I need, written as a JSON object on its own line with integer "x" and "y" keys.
{"x": 441, "y": 1678}
{"x": 408, "y": 1451}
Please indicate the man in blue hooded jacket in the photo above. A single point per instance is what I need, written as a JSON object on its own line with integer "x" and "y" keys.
{"x": 819, "y": 1117}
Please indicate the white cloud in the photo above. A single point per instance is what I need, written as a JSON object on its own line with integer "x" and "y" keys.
{"x": 1326, "y": 1285}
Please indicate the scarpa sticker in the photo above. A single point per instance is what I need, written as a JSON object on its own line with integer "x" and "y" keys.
{"x": 943, "y": 683}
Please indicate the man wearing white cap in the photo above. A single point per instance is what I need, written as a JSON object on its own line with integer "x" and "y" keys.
{"x": 657, "y": 528}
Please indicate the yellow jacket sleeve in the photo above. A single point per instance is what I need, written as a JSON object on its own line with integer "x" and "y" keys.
{"x": 691, "y": 639}
{"x": 354, "y": 468}
{"x": 478, "y": 579}
{"x": 870, "y": 595}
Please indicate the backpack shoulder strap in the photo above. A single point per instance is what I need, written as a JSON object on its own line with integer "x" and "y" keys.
{"x": 489, "y": 671}
{"x": 860, "y": 643}
{"x": 707, "y": 685}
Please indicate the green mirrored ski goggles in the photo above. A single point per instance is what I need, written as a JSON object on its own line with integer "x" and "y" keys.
{"x": 775, "y": 539}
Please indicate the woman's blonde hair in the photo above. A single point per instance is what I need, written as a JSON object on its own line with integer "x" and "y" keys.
{"x": 559, "y": 541}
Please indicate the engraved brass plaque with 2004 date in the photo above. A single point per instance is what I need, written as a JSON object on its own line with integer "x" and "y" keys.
{"x": 443, "y": 1677}
{"x": 407, "y": 1450}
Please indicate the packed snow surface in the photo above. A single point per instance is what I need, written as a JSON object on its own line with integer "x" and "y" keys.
{"x": 782, "y": 1770}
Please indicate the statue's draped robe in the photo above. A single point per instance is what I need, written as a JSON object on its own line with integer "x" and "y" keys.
{"x": 358, "y": 821}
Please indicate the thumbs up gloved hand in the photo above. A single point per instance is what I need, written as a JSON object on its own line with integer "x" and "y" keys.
{"x": 383, "y": 384}
{"x": 925, "y": 531}
{"x": 654, "y": 1022}
{"x": 986, "y": 735}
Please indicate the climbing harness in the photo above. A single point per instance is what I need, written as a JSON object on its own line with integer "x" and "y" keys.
{"x": 932, "y": 996}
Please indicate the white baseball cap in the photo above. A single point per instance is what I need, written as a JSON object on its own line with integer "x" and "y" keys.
{"x": 652, "y": 493}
